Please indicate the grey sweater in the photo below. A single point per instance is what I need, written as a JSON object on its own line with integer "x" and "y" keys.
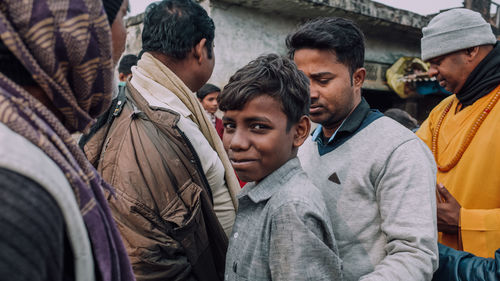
{"x": 379, "y": 186}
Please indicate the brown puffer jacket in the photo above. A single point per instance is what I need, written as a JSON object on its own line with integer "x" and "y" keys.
{"x": 163, "y": 204}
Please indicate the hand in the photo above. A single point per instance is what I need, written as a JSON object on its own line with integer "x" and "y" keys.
{"x": 448, "y": 211}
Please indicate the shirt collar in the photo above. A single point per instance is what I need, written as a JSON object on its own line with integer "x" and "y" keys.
{"x": 349, "y": 125}
{"x": 272, "y": 183}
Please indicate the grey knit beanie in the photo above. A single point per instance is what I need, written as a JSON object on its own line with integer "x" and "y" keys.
{"x": 455, "y": 30}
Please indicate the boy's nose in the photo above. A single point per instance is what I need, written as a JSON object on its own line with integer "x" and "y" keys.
{"x": 239, "y": 141}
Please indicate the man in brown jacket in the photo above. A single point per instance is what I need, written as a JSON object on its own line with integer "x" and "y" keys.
{"x": 174, "y": 199}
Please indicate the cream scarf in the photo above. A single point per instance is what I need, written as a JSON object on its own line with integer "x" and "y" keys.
{"x": 155, "y": 70}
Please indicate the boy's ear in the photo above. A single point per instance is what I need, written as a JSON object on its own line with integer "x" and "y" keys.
{"x": 198, "y": 50}
{"x": 302, "y": 129}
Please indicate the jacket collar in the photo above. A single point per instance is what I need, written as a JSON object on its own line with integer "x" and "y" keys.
{"x": 272, "y": 183}
{"x": 155, "y": 114}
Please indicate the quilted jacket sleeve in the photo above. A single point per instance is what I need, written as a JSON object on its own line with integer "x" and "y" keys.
{"x": 458, "y": 265}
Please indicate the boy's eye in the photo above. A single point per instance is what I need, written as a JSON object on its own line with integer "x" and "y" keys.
{"x": 228, "y": 126}
{"x": 259, "y": 127}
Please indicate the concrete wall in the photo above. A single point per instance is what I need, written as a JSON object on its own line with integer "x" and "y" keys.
{"x": 242, "y": 34}
{"x": 247, "y": 29}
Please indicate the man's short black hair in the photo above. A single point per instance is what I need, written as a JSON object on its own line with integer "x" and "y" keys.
{"x": 336, "y": 34}
{"x": 206, "y": 89}
{"x": 174, "y": 27}
{"x": 126, "y": 64}
{"x": 271, "y": 75}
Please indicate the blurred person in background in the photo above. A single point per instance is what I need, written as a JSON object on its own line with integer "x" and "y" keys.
{"x": 207, "y": 95}
{"x": 403, "y": 118}
{"x": 125, "y": 68}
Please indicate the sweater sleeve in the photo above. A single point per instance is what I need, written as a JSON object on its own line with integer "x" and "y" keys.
{"x": 405, "y": 196}
{"x": 32, "y": 236}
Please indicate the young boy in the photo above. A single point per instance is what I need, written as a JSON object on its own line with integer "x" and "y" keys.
{"x": 207, "y": 95}
{"x": 282, "y": 229}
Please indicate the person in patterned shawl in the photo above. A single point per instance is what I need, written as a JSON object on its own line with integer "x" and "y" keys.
{"x": 56, "y": 69}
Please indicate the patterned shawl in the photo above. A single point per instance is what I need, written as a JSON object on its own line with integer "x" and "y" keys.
{"x": 66, "y": 46}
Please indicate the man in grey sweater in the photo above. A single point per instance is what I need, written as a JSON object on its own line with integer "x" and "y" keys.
{"x": 377, "y": 176}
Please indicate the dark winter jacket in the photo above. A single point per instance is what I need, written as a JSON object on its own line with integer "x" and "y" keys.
{"x": 459, "y": 265}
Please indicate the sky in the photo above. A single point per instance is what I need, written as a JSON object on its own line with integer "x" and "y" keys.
{"x": 423, "y": 7}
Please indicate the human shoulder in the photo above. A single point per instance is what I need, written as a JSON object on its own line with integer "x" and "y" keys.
{"x": 392, "y": 137}
{"x": 298, "y": 193}
{"x": 385, "y": 132}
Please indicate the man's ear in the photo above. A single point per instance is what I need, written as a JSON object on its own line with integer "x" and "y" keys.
{"x": 198, "y": 50}
{"x": 301, "y": 131}
{"x": 358, "y": 77}
{"x": 472, "y": 53}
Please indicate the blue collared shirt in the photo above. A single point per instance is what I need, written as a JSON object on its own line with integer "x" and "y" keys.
{"x": 282, "y": 231}
{"x": 319, "y": 130}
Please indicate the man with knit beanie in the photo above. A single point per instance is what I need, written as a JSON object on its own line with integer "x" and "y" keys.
{"x": 175, "y": 197}
{"x": 462, "y": 132}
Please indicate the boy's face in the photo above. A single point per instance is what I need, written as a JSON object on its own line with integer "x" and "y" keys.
{"x": 256, "y": 139}
{"x": 209, "y": 102}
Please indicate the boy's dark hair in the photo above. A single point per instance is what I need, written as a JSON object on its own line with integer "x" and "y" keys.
{"x": 270, "y": 75}
{"x": 174, "y": 27}
{"x": 206, "y": 89}
{"x": 336, "y": 34}
{"x": 126, "y": 64}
